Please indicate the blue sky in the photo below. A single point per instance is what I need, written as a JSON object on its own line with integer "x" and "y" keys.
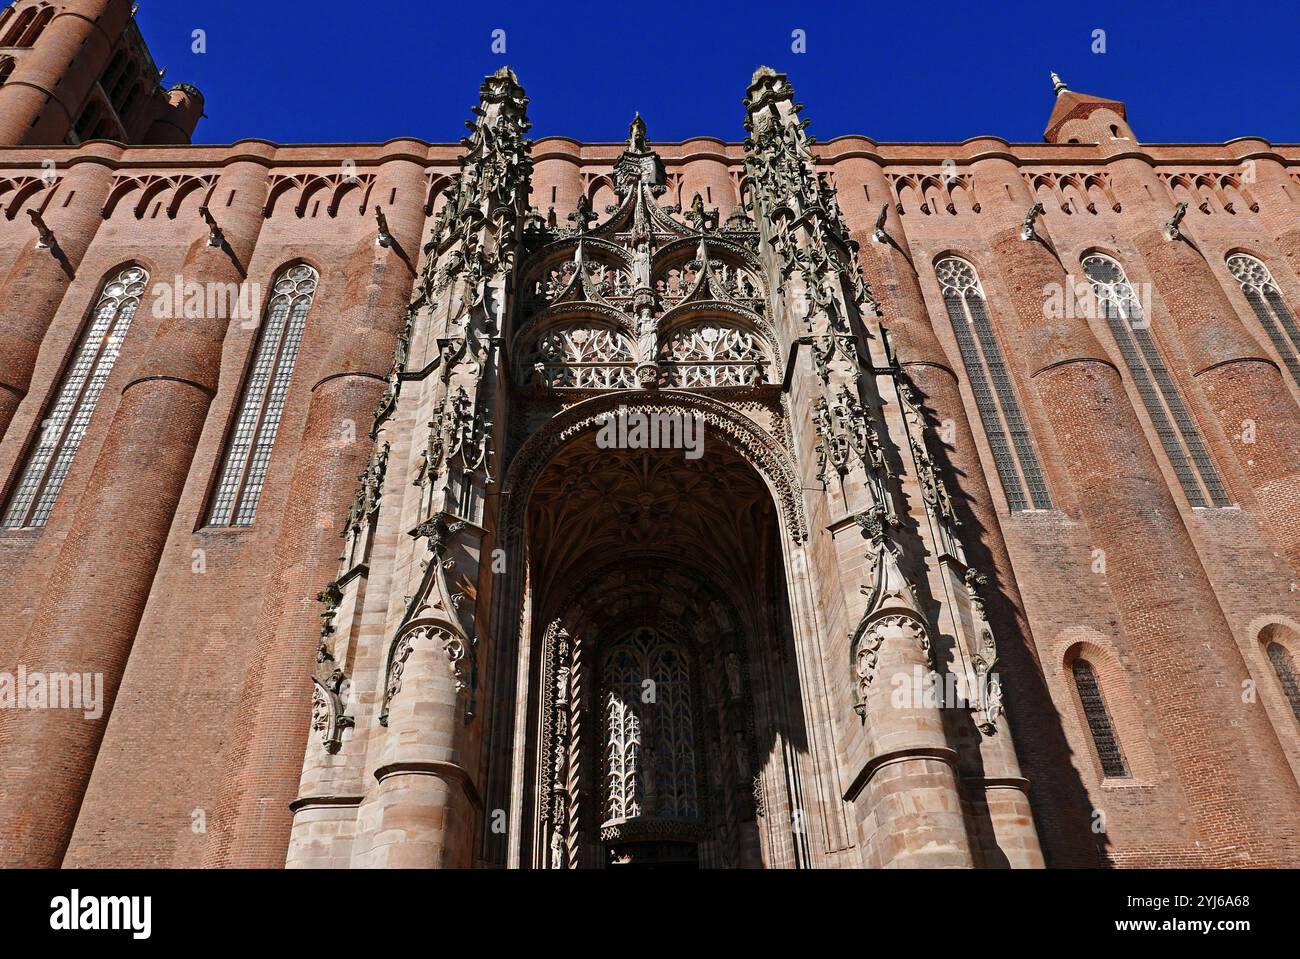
{"x": 333, "y": 71}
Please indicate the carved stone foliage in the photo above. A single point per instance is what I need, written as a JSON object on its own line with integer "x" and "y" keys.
{"x": 330, "y": 682}
{"x": 327, "y": 705}
{"x": 892, "y": 613}
{"x": 452, "y": 646}
{"x": 934, "y": 490}
{"x": 365, "y": 502}
{"x": 645, "y": 270}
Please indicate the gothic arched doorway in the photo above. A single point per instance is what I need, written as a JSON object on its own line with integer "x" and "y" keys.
{"x": 663, "y": 725}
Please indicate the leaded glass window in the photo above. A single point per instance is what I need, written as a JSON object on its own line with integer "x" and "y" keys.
{"x": 248, "y": 451}
{"x": 1284, "y": 666}
{"x": 1178, "y": 433}
{"x": 1265, "y": 299}
{"x": 650, "y": 767}
{"x": 65, "y": 423}
{"x": 995, "y": 397}
{"x": 1098, "y": 718}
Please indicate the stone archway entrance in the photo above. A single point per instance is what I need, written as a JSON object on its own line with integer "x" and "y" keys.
{"x": 664, "y": 696}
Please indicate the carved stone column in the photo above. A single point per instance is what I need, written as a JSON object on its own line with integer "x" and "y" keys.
{"x": 906, "y": 792}
{"x": 424, "y": 805}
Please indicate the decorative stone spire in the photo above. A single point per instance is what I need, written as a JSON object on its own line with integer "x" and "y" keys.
{"x": 636, "y": 142}
{"x": 1058, "y": 85}
{"x": 638, "y": 164}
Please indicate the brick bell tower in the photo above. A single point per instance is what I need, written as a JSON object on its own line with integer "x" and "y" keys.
{"x": 80, "y": 70}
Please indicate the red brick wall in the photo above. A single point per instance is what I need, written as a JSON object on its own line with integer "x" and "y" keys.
{"x": 1175, "y": 614}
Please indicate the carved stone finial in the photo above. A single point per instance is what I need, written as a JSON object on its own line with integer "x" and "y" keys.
{"x": 636, "y": 141}
{"x": 1058, "y": 85}
{"x": 760, "y": 73}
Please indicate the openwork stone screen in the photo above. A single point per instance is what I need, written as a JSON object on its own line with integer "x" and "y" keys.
{"x": 584, "y": 356}
{"x": 713, "y": 354}
{"x": 650, "y": 764}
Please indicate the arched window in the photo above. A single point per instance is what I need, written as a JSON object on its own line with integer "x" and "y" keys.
{"x": 37, "y": 28}
{"x": 1266, "y": 300}
{"x": 65, "y": 423}
{"x": 1164, "y": 404}
{"x": 1098, "y": 719}
{"x": 1016, "y": 461}
{"x": 650, "y": 768}
{"x": 1287, "y": 675}
{"x": 19, "y": 27}
{"x": 6, "y": 68}
{"x": 248, "y": 452}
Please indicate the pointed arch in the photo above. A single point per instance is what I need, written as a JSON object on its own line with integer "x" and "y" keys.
{"x": 20, "y": 26}
{"x": 1179, "y": 435}
{"x": 1014, "y": 455}
{"x": 1270, "y": 309}
{"x": 64, "y": 423}
{"x": 261, "y": 406}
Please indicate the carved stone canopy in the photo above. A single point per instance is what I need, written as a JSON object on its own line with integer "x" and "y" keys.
{"x": 638, "y": 164}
